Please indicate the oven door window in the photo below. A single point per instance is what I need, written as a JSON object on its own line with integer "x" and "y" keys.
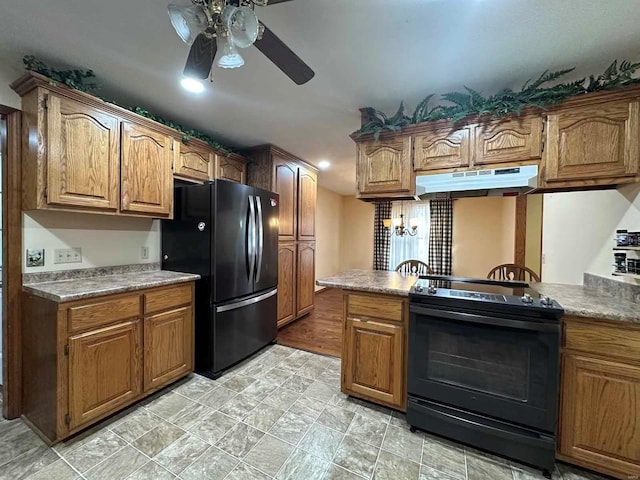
{"x": 506, "y": 373}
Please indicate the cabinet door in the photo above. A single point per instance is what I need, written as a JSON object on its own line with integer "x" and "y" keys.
{"x": 168, "y": 346}
{"x": 229, "y": 168}
{"x": 442, "y": 149}
{"x": 513, "y": 140}
{"x": 83, "y": 155}
{"x": 306, "y": 278}
{"x": 307, "y": 193}
{"x": 372, "y": 365}
{"x": 593, "y": 142}
{"x": 385, "y": 167}
{"x": 285, "y": 182}
{"x": 147, "y": 181}
{"x": 193, "y": 161}
{"x": 286, "y": 283}
{"x": 600, "y": 414}
{"x": 104, "y": 371}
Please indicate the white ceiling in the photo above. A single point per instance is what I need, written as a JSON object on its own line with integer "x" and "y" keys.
{"x": 364, "y": 53}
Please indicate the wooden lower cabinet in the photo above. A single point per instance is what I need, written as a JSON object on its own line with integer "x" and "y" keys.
{"x": 104, "y": 371}
{"x": 600, "y": 406}
{"x": 286, "y": 283}
{"x": 168, "y": 346}
{"x": 306, "y": 277}
{"x": 374, "y": 348}
{"x": 87, "y": 359}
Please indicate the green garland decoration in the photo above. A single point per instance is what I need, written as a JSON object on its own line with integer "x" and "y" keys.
{"x": 84, "y": 80}
{"x": 532, "y": 94}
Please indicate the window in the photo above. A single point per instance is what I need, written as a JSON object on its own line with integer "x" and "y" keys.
{"x": 408, "y": 247}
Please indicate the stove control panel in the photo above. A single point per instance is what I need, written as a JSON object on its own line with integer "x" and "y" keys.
{"x": 527, "y": 299}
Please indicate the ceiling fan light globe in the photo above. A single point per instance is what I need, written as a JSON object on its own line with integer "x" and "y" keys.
{"x": 187, "y": 21}
{"x": 243, "y": 26}
{"x": 229, "y": 56}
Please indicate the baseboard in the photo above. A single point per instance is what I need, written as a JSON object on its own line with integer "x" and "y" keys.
{"x": 321, "y": 289}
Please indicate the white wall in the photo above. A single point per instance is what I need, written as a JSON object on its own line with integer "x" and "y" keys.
{"x": 7, "y": 96}
{"x": 105, "y": 240}
{"x": 579, "y": 229}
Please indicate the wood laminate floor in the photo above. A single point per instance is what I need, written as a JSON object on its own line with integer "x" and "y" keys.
{"x": 321, "y": 330}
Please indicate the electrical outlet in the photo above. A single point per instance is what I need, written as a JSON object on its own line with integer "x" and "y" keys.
{"x": 144, "y": 253}
{"x": 35, "y": 257}
{"x": 67, "y": 255}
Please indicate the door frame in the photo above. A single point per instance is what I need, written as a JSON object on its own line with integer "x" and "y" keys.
{"x": 11, "y": 262}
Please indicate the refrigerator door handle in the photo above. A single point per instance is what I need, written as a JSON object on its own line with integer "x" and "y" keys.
{"x": 248, "y": 301}
{"x": 251, "y": 239}
{"x": 260, "y": 237}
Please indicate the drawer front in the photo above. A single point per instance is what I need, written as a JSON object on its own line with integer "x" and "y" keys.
{"x": 602, "y": 339}
{"x": 384, "y": 308}
{"x": 165, "y": 298}
{"x": 102, "y": 312}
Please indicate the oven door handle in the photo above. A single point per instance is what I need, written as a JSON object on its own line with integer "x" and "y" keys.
{"x": 483, "y": 319}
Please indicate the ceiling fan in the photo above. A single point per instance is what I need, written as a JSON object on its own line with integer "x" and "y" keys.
{"x": 226, "y": 25}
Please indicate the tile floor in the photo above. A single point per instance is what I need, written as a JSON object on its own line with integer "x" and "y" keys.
{"x": 280, "y": 415}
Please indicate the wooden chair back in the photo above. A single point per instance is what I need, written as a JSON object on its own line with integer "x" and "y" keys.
{"x": 513, "y": 272}
{"x": 414, "y": 267}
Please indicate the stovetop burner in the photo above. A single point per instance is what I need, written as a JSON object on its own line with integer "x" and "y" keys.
{"x": 471, "y": 292}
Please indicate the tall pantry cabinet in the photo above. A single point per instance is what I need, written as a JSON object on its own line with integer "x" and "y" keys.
{"x": 271, "y": 168}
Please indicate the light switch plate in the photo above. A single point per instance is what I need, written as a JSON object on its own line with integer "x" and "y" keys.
{"x": 144, "y": 253}
{"x": 35, "y": 257}
{"x": 67, "y": 255}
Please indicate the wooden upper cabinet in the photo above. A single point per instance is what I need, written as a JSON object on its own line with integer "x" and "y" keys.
{"x": 104, "y": 371}
{"x": 514, "y": 140}
{"x": 168, "y": 346}
{"x": 373, "y": 361}
{"x": 307, "y": 193}
{"x": 593, "y": 143}
{"x": 384, "y": 167}
{"x": 286, "y": 282}
{"x": 442, "y": 149}
{"x": 285, "y": 183}
{"x": 231, "y": 168}
{"x": 305, "y": 288}
{"x": 83, "y": 152}
{"x": 192, "y": 161}
{"x": 147, "y": 181}
{"x": 600, "y": 414}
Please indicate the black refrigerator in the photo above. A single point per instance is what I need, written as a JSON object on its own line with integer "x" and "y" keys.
{"x": 228, "y": 233}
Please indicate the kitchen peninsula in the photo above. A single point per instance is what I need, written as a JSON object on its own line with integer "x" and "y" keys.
{"x": 599, "y": 360}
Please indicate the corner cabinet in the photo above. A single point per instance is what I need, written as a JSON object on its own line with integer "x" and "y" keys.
{"x": 600, "y": 396}
{"x": 146, "y": 177}
{"x": 374, "y": 348}
{"x": 385, "y": 168}
{"x": 593, "y": 144}
{"x": 296, "y": 183}
{"x": 89, "y": 358}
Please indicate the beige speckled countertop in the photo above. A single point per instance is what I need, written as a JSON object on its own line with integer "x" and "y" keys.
{"x": 79, "y": 288}
{"x": 577, "y": 300}
{"x": 581, "y": 301}
{"x": 376, "y": 281}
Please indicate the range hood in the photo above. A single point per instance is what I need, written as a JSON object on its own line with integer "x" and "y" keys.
{"x": 479, "y": 183}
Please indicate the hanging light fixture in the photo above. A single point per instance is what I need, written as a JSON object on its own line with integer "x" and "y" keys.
{"x": 399, "y": 227}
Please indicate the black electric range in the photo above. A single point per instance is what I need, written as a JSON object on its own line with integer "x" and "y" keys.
{"x": 485, "y": 295}
{"x": 484, "y": 365}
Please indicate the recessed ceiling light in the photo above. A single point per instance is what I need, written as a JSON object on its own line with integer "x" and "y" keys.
{"x": 192, "y": 85}
{"x": 323, "y": 165}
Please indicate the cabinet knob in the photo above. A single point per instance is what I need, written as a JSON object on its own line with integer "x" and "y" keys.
{"x": 165, "y": 257}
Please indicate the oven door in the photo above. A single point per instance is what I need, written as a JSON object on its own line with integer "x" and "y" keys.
{"x": 506, "y": 368}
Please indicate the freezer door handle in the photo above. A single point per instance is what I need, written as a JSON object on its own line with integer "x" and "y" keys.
{"x": 248, "y": 301}
{"x": 260, "y": 237}
{"x": 251, "y": 239}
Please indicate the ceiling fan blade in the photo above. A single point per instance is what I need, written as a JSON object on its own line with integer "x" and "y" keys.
{"x": 284, "y": 58}
{"x": 200, "y": 57}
